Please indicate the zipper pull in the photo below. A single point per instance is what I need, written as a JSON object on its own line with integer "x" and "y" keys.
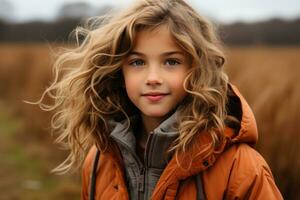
{"x": 141, "y": 180}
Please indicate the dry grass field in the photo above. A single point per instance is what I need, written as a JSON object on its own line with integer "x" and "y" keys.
{"x": 267, "y": 76}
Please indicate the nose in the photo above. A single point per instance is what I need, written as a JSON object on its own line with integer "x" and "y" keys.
{"x": 153, "y": 77}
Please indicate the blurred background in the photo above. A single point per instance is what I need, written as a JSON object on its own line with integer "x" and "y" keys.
{"x": 262, "y": 40}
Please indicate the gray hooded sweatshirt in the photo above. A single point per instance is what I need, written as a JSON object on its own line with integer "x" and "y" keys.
{"x": 141, "y": 176}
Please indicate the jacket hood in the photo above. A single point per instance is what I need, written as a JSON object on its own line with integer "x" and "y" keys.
{"x": 248, "y": 132}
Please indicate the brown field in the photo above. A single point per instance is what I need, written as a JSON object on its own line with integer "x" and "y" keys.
{"x": 267, "y": 76}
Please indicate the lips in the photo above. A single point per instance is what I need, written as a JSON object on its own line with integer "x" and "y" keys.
{"x": 154, "y": 96}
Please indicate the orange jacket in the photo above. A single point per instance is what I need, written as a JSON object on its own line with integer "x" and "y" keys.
{"x": 234, "y": 171}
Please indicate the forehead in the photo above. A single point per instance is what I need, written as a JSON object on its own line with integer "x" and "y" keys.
{"x": 159, "y": 39}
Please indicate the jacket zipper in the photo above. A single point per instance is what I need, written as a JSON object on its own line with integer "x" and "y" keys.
{"x": 146, "y": 160}
{"x": 142, "y": 191}
{"x": 141, "y": 178}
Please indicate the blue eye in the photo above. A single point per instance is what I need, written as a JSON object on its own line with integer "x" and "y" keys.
{"x": 172, "y": 62}
{"x": 138, "y": 62}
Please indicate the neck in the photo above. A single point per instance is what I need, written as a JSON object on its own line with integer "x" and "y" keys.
{"x": 147, "y": 126}
{"x": 150, "y": 123}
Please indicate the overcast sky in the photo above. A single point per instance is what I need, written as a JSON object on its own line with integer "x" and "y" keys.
{"x": 225, "y": 11}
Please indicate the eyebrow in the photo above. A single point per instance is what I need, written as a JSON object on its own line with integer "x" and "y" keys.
{"x": 168, "y": 53}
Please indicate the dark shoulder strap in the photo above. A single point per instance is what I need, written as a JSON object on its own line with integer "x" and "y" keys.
{"x": 93, "y": 176}
{"x": 199, "y": 186}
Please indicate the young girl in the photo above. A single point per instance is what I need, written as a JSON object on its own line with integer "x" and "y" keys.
{"x": 146, "y": 95}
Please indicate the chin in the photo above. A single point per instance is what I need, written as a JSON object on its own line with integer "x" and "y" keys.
{"x": 155, "y": 113}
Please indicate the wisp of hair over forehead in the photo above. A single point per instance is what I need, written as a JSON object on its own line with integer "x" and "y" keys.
{"x": 88, "y": 88}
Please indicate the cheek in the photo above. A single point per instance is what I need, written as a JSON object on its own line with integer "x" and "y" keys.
{"x": 176, "y": 85}
{"x": 176, "y": 82}
{"x": 131, "y": 84}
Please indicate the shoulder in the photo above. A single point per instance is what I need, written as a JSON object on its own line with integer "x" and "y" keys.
{"x": 241, "y": 157}
{"x": 240, "y": 172}
{"x": 247, "y": 158}
{"x": 86, "y": 171}
{"x": 89, "y": 159}
{"x": 109, "y": 173}
{"x": 247, "y": 164}
{"x": 107, "y": 160}
{"x": 250, "y": 176}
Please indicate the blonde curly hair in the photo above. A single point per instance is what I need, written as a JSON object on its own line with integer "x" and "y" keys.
{"x": 87, "y": 89}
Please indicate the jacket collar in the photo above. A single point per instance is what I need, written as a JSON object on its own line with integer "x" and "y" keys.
{"x": 126, "y": 134}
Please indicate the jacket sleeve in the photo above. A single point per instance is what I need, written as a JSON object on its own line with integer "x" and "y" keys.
{"x": 85, "y": 174}
{"x": 251, "y": 178}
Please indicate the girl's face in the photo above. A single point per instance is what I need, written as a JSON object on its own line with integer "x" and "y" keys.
{"x": 154, "y": 73}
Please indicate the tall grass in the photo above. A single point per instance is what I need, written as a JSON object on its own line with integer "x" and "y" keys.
{"x": 269, "y": 79}
{"x": 27, "y": 152}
